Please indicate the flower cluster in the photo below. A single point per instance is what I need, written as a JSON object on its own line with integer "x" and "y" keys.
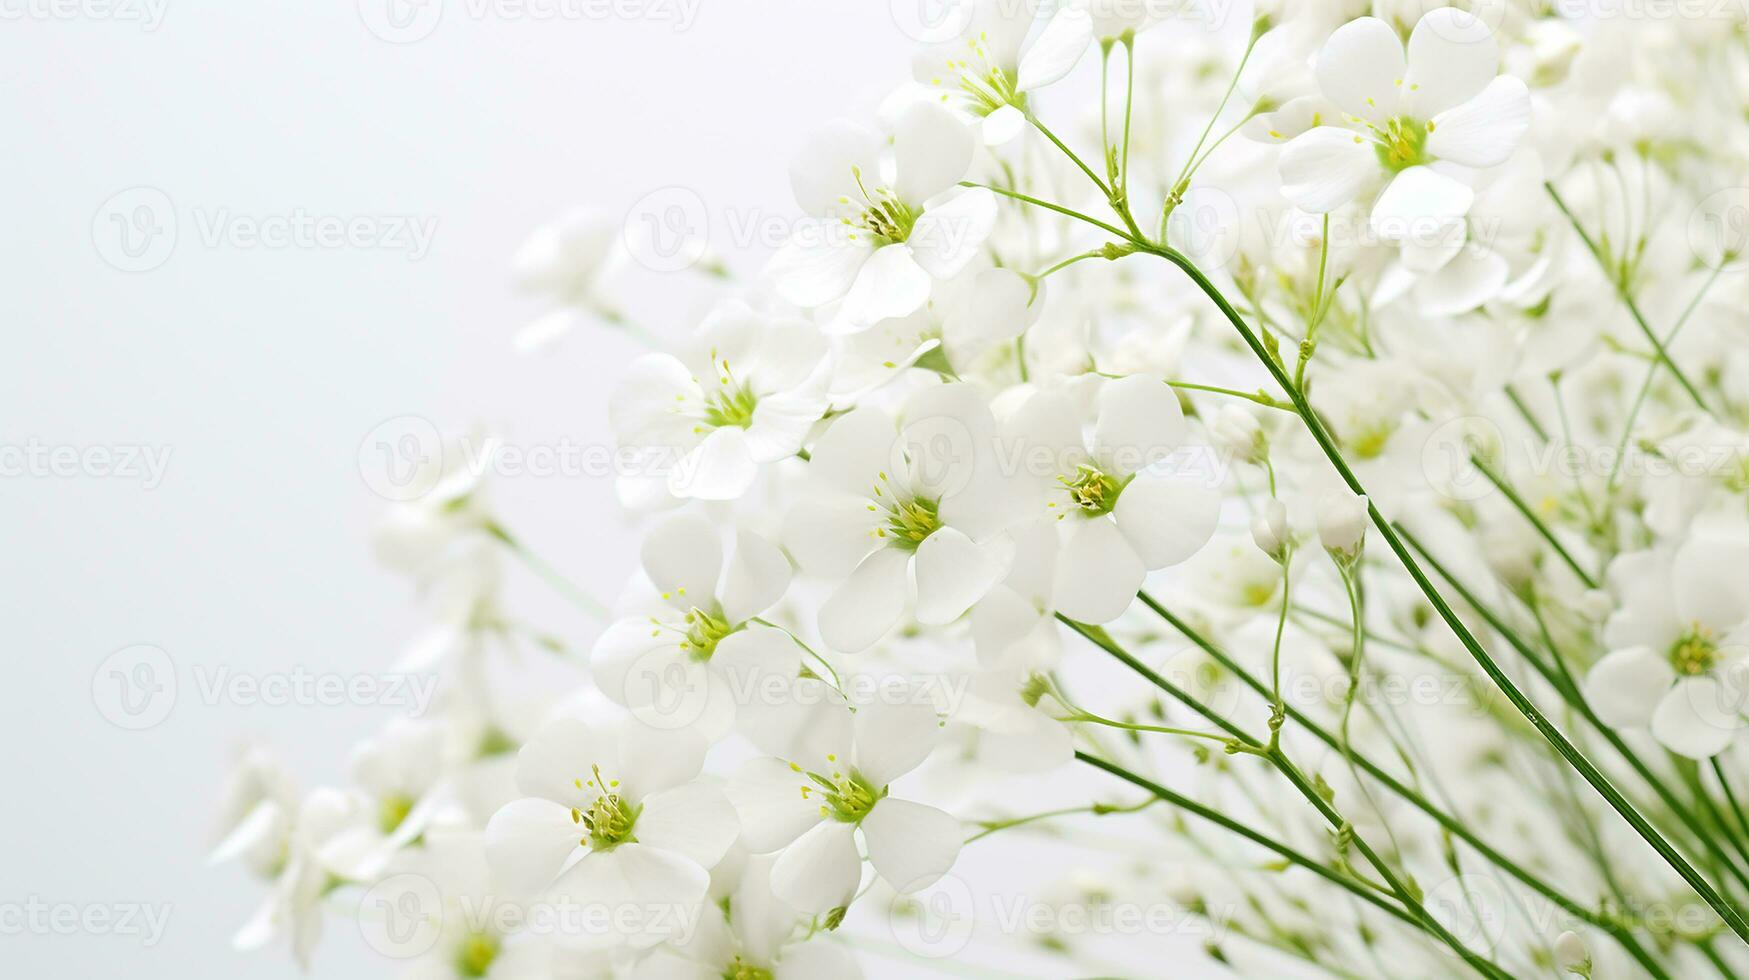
{"x": 1317, "y": 464}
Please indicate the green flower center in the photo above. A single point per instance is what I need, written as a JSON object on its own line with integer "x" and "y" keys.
{"x": 608, "y": 820}
{"x": 1402, "y": 143}
{"x": 885, "y": 217}
{"x": 476, "y": 954}
{"x": 986, "y": 84}
{"x": 1091, "y": 491}
{"x": 392, "y": 812}
{"x": 909, "y": 521}
{"x": 732, "y": 403}
{"x": 1695, "y": 652}
{"x": 704, "y": 632}
{"x": 740, "y": 969}
{"x": 844, "y": 796}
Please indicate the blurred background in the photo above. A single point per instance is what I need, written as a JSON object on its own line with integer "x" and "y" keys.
{"x": 246, "y": 240}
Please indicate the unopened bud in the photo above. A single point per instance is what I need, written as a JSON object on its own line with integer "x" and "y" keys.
{"x": 1270, "y": 529}
{"x": 1342, "y": 520}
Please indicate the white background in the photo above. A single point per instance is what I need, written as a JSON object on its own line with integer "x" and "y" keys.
{"x": 261, "y": 371}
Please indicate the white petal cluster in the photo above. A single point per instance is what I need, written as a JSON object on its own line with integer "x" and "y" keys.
{"x": 1308, "y": 485}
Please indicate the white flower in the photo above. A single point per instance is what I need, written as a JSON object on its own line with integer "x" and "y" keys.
{"x": 292, "y": 910}
{"x": 1342, "y": 523}
{"x": 569, "y": 262}
{"x": 745, "y": 393}
{"x": 1121, "y": 514}
{"x": 879, "y": 235}
{"x": 1677, "y": 644}
{"x": 836, "y": 784}
{"x": 989, "y": 66}
{"x": 1571, "y": 955}
{"x": 904, "y": 514}
{"x": 616, "y": 817}
{"x": 690, "y": 660}
{"x": 399, "y": 782}
{"x": 1237, "y": 431}
{"x": 1269, "y": 529}
{"x": 1406, "y": 119}
{"x": 754, "y": 937}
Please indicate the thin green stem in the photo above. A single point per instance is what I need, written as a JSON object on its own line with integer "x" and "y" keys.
{"x": 1048, "y": 206}
{"x": 1536, "y": 522}
{"x": 548, "y": 573}
{"x": 1188, "y": 805}
{"x": 1568, "y": 751}
{"x": 1619, "y": 283}
{"x": 1455, "y": 826}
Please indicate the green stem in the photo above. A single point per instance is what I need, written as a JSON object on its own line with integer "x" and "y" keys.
{"x": 1542, "y": 529}
{"x": 1221, "y": 820}
{"x": 1621, "y": 290}
{"x": 1340, "y": 826}
{"x": 551, "y": 575}
{"x": 1568, "y": 751}
{"x": 1458, "y": 828}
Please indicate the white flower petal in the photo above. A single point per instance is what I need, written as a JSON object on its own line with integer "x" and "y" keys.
{"x": 1695, "y": 719}
{"x": 1420, "y": 203}
{"x": 694, "y": 819}
{"x": 894, "y": 738}
{"x": 825, "y": 170}
{"x": 868, "y": 603}
{"x": 819, "y": 264}
{"x": 854, "y": 450}
{"x": 773, "y": 810}
{"x": 830, "y": 537}
{"x": 820, "y": 871}
{"x": 1475, "y": 276}
{"x": 654, "y": 759}
{"x": 562, "y": 749}
{"x": 909, "y": 844}
{"x": 1325, "y": 168}
{"x": 528, "y": 842}
{"x": 721, "y": 468}
{"x": 1361, "y": 69}
{"x": 1167, "y": 518}
{"x": 1449, "y": 62}
{"x": 890, "y": 284}
{"x": 684, "y": 558}
{"x": 1140, "y": 422}
{"x": 1098, "y": 572}
{"x": 1056, "y": 50}
{"x": 635, "y": 894}
{"x": 953, "y": 572}
{"x": 933, "y": 150}
{"x": 1484, "y": 131}
{"x": 758, "y": 575}
{"x": 1624, "y": 687}
{"x": 951, "y": 234}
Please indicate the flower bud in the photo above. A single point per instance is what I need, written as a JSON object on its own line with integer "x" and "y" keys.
{"x": 1571, "y": 954}
{"x": 1238, "y": 432}
{"x": 1270, "y": 530}
{"x": 1342, "y": 520}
